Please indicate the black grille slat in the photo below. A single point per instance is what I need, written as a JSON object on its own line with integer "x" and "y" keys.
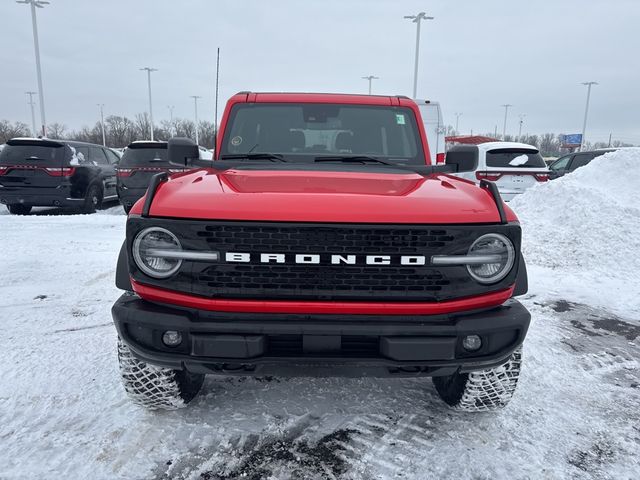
{"x": 356, "y": 346}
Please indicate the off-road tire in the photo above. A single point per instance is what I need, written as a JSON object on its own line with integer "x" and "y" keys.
{"x": 156, "y": 387}
{"x": 483, "y": 390}
{"x": 93, "y": 199}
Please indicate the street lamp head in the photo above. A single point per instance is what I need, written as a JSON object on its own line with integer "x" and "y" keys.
{"x": 590, "y": 83}
{"x": 36, "y": 3}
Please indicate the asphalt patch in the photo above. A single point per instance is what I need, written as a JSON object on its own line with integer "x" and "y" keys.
{"x": 322, "y": 460}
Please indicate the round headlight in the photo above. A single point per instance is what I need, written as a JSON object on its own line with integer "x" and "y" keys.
{"x": 497, "y": 247}
{"x": 148, "y": 248}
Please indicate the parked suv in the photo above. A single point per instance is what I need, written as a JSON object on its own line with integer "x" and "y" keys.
{"x": 514, "y": 167}
{"x": 140, "y": 161}
{"x": 569, "y": 163}
{"x": 38, "y": 172}
{"x": 322, "y": 240}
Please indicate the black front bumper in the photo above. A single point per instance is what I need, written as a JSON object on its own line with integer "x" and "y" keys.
{"x": 319, "y": 345}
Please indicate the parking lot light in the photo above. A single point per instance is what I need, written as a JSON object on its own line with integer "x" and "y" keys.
{"x": 417, "y": 19}
{"x": 37, "y": 4}
{"x": 149, "y": 70}
{"x": 586, "y": 112}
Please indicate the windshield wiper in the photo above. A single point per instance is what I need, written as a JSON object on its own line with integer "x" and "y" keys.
{"x": 273, "y": 157}
{"x": 351, "y": 159}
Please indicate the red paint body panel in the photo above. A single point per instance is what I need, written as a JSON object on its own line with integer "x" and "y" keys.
{"x": 159, "y": 295}
{"x": 323, "y": 196}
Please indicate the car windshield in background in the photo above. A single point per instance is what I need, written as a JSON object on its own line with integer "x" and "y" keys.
{"x": 20, "y": 154}
{"x": 302, "y": 132}
{"x": 515, "y": 158}
{"x": 144, "y": 156}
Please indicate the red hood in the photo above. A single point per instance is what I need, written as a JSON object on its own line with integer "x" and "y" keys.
{"x": 321, "y": 196}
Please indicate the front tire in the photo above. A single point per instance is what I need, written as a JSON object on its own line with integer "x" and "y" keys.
{"x": 156, "y": 387}
{"x": 19, "y": 209}
{"x": 484, "y": 390}
{"x": 93, "y": 199}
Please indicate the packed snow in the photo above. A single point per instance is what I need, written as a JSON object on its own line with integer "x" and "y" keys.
{"x": 64, "y": 414}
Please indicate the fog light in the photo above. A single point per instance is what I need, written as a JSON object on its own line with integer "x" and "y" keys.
{"x": 171, "y": 338}
{"x": 472, "y": 343}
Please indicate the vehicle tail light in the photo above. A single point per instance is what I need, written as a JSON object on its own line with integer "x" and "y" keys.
{"x": 440, "y": 158}
{"x": 124, "y": 172}
{"x": 542, "y": 177}
{"x": 491, "y": 176}
{"x": 4, "y": 170}
{"x": 60, "y": 172}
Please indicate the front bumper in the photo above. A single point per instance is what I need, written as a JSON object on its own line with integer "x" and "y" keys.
{"x": 325, "y": 345}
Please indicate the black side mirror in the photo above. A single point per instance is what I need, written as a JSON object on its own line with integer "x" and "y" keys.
{"x": 464, "y": 158}
{"x": 182, "y": 152}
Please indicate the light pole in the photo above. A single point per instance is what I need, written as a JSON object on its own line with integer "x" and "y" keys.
{"x": 522, "y": 115}
{"x": 417, "y": 19}
{"x": 37, "y": 4}
{"x": 586, "y": 111}
{"x": 195, "y": 105}
{"x": 33, "y": 113}
{"x": 457, "y": 121}
{"x": 170, "y": 107}
{"x": 104, "y": 137}
{"x": 504, "y": 126}
{"x": 370, "y": 78}
{"x": 149, "y": 70}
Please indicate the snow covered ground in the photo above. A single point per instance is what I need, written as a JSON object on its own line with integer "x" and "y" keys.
{"x": 64, "y": 414}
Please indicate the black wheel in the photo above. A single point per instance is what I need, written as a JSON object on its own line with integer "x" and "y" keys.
{"x": 156, "y": 387}
{"x": 483, "y": 390}
{"x": 19, "y": 209}
{"x": 93, "y": 199}
{"x": 127, "y": 208}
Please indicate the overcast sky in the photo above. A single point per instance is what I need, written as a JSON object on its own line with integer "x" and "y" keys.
{"x": 474, "y": 57}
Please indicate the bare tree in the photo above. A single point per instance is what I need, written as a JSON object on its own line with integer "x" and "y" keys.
{"x": 56, "y": 130}
{"x": 10, "y": 130}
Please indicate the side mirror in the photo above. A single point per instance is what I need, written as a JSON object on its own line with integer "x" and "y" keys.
{"x": 464, "y": 158}
{"x": 182, "y": 151}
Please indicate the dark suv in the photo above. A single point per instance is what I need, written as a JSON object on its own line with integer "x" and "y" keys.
{"x": 142, "y": 160}
{"x": 58, "y": 173}
{"x": 569, "y": 163}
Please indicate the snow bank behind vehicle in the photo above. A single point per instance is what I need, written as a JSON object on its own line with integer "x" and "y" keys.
{"x": 588, "y": 224}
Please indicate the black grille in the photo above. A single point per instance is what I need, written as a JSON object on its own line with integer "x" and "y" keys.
{"x": 323, "y": 281}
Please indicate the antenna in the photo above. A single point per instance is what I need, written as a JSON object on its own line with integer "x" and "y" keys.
{"x": 215, "y": 126}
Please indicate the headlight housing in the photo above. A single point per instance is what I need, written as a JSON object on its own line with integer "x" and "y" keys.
{"x": 159, "y": 240}
{"x": 498, "y": 246}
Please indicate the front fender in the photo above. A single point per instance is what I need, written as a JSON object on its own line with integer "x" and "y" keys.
{"x": 123, "y": 281}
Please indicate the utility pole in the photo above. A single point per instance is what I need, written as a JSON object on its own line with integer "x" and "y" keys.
{"x": 195, "y": 104}
{"x": 457, "y": 121}
{"x": 522, "y": 115}
{"x": 370, "y": 78}
{"x": 586, "y": 111}
{"x": 104, "y": 137}
{"x": 170, "y": 107}
{"x": 417, "y": 19}
{"x": 609, "y": 146}
{"x": 34, "y": 132}
{"x": 504, "y": 127}
{"x": 37, "y": 4}
{"x": 149, "y": 70}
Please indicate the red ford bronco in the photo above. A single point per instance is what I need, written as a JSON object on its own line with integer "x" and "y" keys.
{"x": 323, "y": 241}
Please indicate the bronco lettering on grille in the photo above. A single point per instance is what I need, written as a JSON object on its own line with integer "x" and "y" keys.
{"x": 316, "y": 259}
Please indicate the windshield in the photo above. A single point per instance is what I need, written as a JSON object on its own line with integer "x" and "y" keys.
{"x": 32, "y": 154}
{"x": 147, "y": 155}
{"x": 302, "y": 132}
{"x": 515, "y": 158}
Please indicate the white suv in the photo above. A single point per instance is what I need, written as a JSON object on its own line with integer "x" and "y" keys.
{"x": 513, "y": 167}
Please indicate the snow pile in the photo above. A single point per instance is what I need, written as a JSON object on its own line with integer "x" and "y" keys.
{"x": 587, "y": 223}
